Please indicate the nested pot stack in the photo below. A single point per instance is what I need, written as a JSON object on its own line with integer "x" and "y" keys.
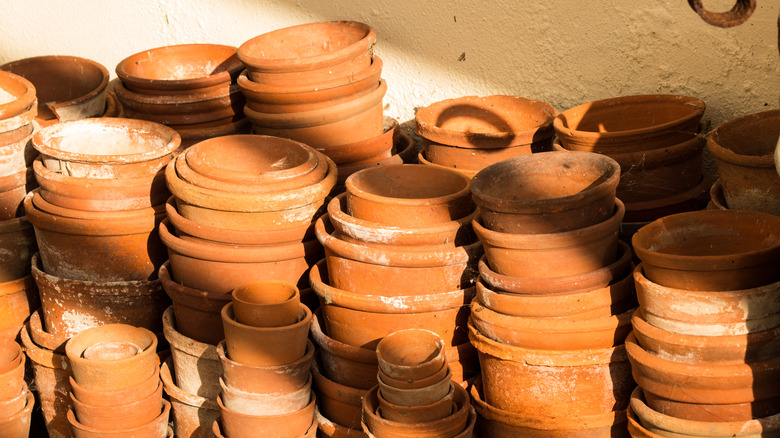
{"x": 16, "y": 401}
{"x": 190, "y": 87}
{"x": 470, "y": 133}
{"x": 705, "y": 341}
{"x": 658, "y": 142}
{"x": 554, "y": 297}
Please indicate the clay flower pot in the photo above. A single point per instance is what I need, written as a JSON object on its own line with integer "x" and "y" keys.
{"x": 401, "y": 153}
{"x": 437, "y": 377}
{"x": 67, "y": 87}
{"x": 473, "y": 160}
{"x": 629, "y": 123}
{"x": 410, "y": 397}
{"x": 537, "y": 255}
{"x": 266, "y": 346}
{"x": 19, "y": 109}
{"x": 710, "y": 250}
{"x": 486, "y": 122}
{"x": 561, "y": 191}
{"x": 408, "y": 195}
{"x": 18, "y": 298}
{"x": 250, "y": 403}
{"x": 237, "y": 425}
{"x": 18, "y": 423}
{"x": 125, "y": 416}
{"x": 157, "y": 428}
{"x": 347, "y": 365}
{"x": 330, "y": 429}
{"x": 340, "y": 403}
{"x": 690, "y": 200}
{"x": 309, "y": 53}
{"x": 13, "y": 189}
{"x": 12, "y": 361}
{"x": 127, "y": 397}
{"x": 743, "y": 150}
{"x": 112, "y": 356}
{"x": 266, "y": 303}
{"x": 417, "y": 413}
{"x": 192, "y": 134}
{"x": 192, "y": 415}
{"x": 15, "y": 403}
{"x": 274, "y": 380}
{"x": 16, "y": 152}
{"x": 411, "y": 354}
{"x": 195, "y": 363}
{"x": 372, "y": 149}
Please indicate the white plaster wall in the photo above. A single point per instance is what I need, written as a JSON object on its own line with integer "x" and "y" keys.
{"x": 564, "y": 52}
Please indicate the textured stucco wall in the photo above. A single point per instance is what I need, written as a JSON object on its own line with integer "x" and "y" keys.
{"x": 564, "y": 52}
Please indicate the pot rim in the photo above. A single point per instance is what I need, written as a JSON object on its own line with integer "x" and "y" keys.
{"x": 666, "y": 156}
{"x": 207, "y": 132}
{"x": 166, "y": 408}
{"x": 338, "y": 348}
{"x": 163, "y": 103}
{"x": 42, "y": 356}
{"x": 390, "y": 127}
{"x": 74, "y": 349}
{"x": 396, "y": 158}
{"x": 38, "y": 333}
{"x": 25, "y": 412}
{"x": 227, "y": 314}
{"x": 43, "y": 175}
{"x": 108, "y": 288}
{"x": 424, "y": 161}
{"x": 724, "y": 153}
{"x": 179, "y": 394}
{"x": 155, "y": 395}
{"x": 222, "y": 353}
{"x": 459, "y": 395}
{"x": 276, "y": 417}
{"x": 437, "y": 361}
{"x": 24, "y": 100}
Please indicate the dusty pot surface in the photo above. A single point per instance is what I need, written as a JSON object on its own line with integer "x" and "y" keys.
{"x": 358, "y": 152}
{"x": 330, "y": 429}
{"x": 197, "y": 365}
{"x": 413, "y": 414}
{"x": 192, "y": 414}
{"x": 629, "y": 123}
{"x": 547, "y": 192}
{"x": 273, "y": 380}
{"x": 18, "y": 298}
{"x": 744, "y": 152}
{"x": 67, "y": 87}
{"x": 711, "y": 250}
{"x": 273, "y": 426}
{"x": 411, "y": 354}
{"x": 339, "y": 402}
{"x": 18, "y": 424}
{"x": 408, "y": 195}
{"x": 157, "y": 428}
{"x": 19, "y": 98}
{"x": 266, "y": 303}
{"x": 486, "y": 122}
{"x": 250, "y": 403}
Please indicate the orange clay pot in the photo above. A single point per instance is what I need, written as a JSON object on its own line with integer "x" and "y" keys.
{"x": 19, "y": 109}
{"x": 476, "y": 159}
{"x": 403, "y": 147}
{"x": 17, "y": 425}
{"x": 157, "y": 428}
{"x": 330, "y": 429}
{"x": 421, "y": 159}
{"x": 125, "y": 416}
{"x": 433, "y": 411}
{"x": 379, "y": 146}
{"x": 192, "y": 415}
{"x": 414, "y": 397}
{"x": 276, "y": 380}
{"x": 124, "y": 397}
{"x": 249, "y": 403}
{"x": 266, "y": 303}
{"x": 340, "y": 403}
{"x": 411, "y": 354}
{"x": 18, "y": 298}
{"x": 13, "y": 189}
{"x": 236, "y": 425}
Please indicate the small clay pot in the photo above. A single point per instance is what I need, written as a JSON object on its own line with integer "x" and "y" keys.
{"x": 192, "y": 415}
{"x": 125, "y": 416}
{"x": 415, "y": 384}
{"x": 436, "y": 410}
{"x": 123, "y": 397}
{"x": 18, "y": 298}
{"x": 561, "y": 191}
{"x": 282, "y": 379}
{"x": 18, "y": 424}
{"x": 237, "y": 425}
{"x": 710, "y": 250}
{"x": 197, "y": 365}
{"x": 266, "y": 303}
{"x": 22, "y": 97}
{"x": 344, "y": 364}
{"x": 421, "y": 396}
{"x": 266, "y": 346}
{"x": 110, "y": 369}
{"x": 197, "y": 107}
{"x": 411, "y": 354}
{"x": 359, "y": 152}
{"x": 340, "y": 403}
{"x": 157, "y": 428}
{"x": 408, "y": 195}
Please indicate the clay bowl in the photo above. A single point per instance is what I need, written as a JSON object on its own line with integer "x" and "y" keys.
{"x": 629, "y": 123}
{"x": 266, "y": 303}
{"x": 416, "y": 413}
{"x": 411, "y": 354}
{"x": 197, "y": 108}
{"x": 424, "y": 161}
{"x": 158, "y": 427}
{"x": 21, "y": 98}
{"x": 297, "y": 55}
{"x": 371, "y": 149}
{"x": 476, "y": 159}
{"x": 250, "y": 403}
{"x": 486, "y": 122}
{"x": 238, "y": 425}
{"x": 67, "y": 87}
{"x": 280, "y": 379}
{"x": 711, "y": 250}
{"x": 122, "y": 397}
{"x": 124, "y": 356}
{"x": 421, "y": 396}
{"x": 125, "y": 416}
{"x": 717, "y": 199}
{"x": 179, "y": 68}
{"x": 106, "y": 147}
{"x": 561, "y": 191}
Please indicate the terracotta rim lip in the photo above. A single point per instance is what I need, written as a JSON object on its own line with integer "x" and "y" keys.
{"x": 127, "y": 391}
{"x": 237, "y": 296}
{"x": 356, "y": 188}
{"x": 305, "y": 319}
{"x": 17, "y": 357}
{"x": 530, "y": 162}
{"x": 22, "y": 102}
{"x": 325, "y": 342}
{"x": 42, "y": 139}
{"x": 427, "y": 127}
{"x": 464, "y": 409}
{"x": 178, "y": 394}
{"x": 222, "y": 353}
{"x": 333, "y": 389}
{"x": 157, "y": 393}
{"x": 672, "y": 200}
{"x": 123, "y": 69}
{"x": 135, "y": 101}
{"x": 404, "y": 392}
{"x": 669, "y": 155}
{"x": 717, "y": 197}
{"x": 383, "y": 400}
{"x": 413, "y": 369}
{"x": 562, "y": 285}
{"x": 46, "y": 178}
{"x": 25, "y": 412}
{"x": 395, "y": 159}
{"x": 207, "y": 132}
{"x": 306, "y": 388}
{"x": 69, "y": 215}
{"x": 298, "y": 63}
{"x": 38, "y": 332}
{"x": 736, "y": 260}
{"x": 697, "y": 105}
{"x": 424, "y": 161}
{"x": 184, "y": 343}
{"x": 172, "y": 287}
{"x": 393, "y": 130}
{"x": 722, "y": 152}
{"x": 22, "y": 133}
{"x": 166, "y": 409}
{"x": 271, "y": 417}
{"x": 41, "y": 355}
{"x": 74, "y": 351}
{"x": 111, "y": 288}
{"x": 15, "y": 225}
{"x": 16, "y": 179}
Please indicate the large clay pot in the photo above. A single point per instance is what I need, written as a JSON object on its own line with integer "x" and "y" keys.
{"x": 280, "y": 379}
{"x": 196, "y": 364}
{"x": 192, "y": 414}
{"x": 743, "y": 150}
{"x": 562, "y": 191}
{"x": 18, "y": 298}
{"x": 711, "y": 250}
{"x": 157, "y": 428}
{"x": 237, "y": 425}
{"x": 629, "y": 123}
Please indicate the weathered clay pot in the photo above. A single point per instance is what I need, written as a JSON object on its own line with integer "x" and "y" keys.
{"x": 416, "y": 413}
{"x": 157, "y": 428}
{"x": 196, "y": 364}
{"x": 711, "y": 250}
{"x": 562, "y": 191}
{"x": 17, "y": 425}
{"x": 340, "y": 403}
{"x": 411, "y": 354}
{"x": 12, "y": 362}
{"x": 362, "y": 88}
{"x": 629, "y": 123}
{"x": 706, "y": 313}
{"x": 125, "y": 416}
{"x": 717, "y": 199}
{"x": 41, "y": 337}
{"x": 19, "y": 109}
{"x": 311, "y": 432}
{"x": 13, "y": 189}
{"x": 12, "y": 405}
{"x": 192, "y": 414}
{"x": 192, "y": 134}
{"x": 537, "y": 255}
{"x": 237, "y": 425}
{"x": 250, "y": 403}
{"x": 330, "y": 429}
{"x": 689, "y": 200}
{"x": 573, "y": 383}
{"x": 126, "y": 397}
{"x": 403, "y": 147}
{"x": 67, "y": 87}
{"x": 18, "y": 298}
{"x": 309, "y": 53}
{"x": 415, "y": 384}
{"x": 743, "y": 150}
{"x": 281, "y": 379}
{"x": 499, "y": 423}
{"x": 16, "y": 152}
{"x": 408, "y": 195}
{"x": 370, "y": 149}
{"x": 266, "y": 303}
{"x": 71, "y": 306}
{"x": 345, "y": 364}
{"x": 409, "y": 397}
{"x": 476, "y": 159}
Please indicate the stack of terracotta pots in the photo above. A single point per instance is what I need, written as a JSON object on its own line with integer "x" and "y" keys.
{"x": 16, "y": 401}
{"x": 416, "y": 395}
{"x": 658, "y": 142}
{"x": 470, "y": 133}
{"x": 189, "y": 87}
{"x": 743, "y": 149}
{"x": 554, "y": 299}
{"x": 68, "y": 88}
{"x": 320, "y": 84}
{"x": 705, "y": 350}
{"x": 266, "y": 358}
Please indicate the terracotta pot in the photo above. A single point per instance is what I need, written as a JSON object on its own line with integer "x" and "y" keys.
{"x": 13, "y": 189}
{"x": 743, "y": 150}
{"x": 359, "y": 152}
{"x": 486, "y": 122}
{"x": 109, "y": 371}
{"x": 42, "y": 338}
{"x": 358, "y": 90}
{"x": 361, "y": 319}
{"x": 216, "y": 429}
{"x": 192, "y": 134}
{"x": 297, "y": 55}
{"x": 196, "y": 107}
{"x": 17, "y": 425}
{"x": 146, "y": 391}
{"x": 237, "y": 425}
{"x": 411, "y": 397}
{"x": 22, "y": 98}
{"x": 340, "y": 403}
{"x": 562, "y": 191}
{"x": 421, "y": 158}
{"x": 126, "y": 416}
{"x": 67, "y": 87}
{"x": 330, "y": 429}
{"x": 219, "y": 268}
{"x": 344, "y": 364}
{"x": 436, "y": 410}
{"x": 402, "y": 148}
{"x": 17, "y": 300}
{"x": 12, "y": 362}
{"x": 392, "y": 270}
{"x": 572, "y": 383}
{"x": 275, "y": 380}
{"x": 157, "y": 428}
{"x": 499, "y": 423}
{"x": 266, "y": 303}
{"x": 717, "y": 198}
{"x": 192, "y": 415}
{"x": 180, "y": 68}
{"x": 720, "y": 251}
{"x": 249, "y": 403}
{"x": 196, "y": 364}
{"x": 15, "y": 403}
{"x": 705, "y": 391}
{"x": 476, "y": 159}
{"x": 411, "y": 354}
{"x": 689, "y": 200}
{"x": 629, "y": 123}
{"x": 16, "y": 152}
